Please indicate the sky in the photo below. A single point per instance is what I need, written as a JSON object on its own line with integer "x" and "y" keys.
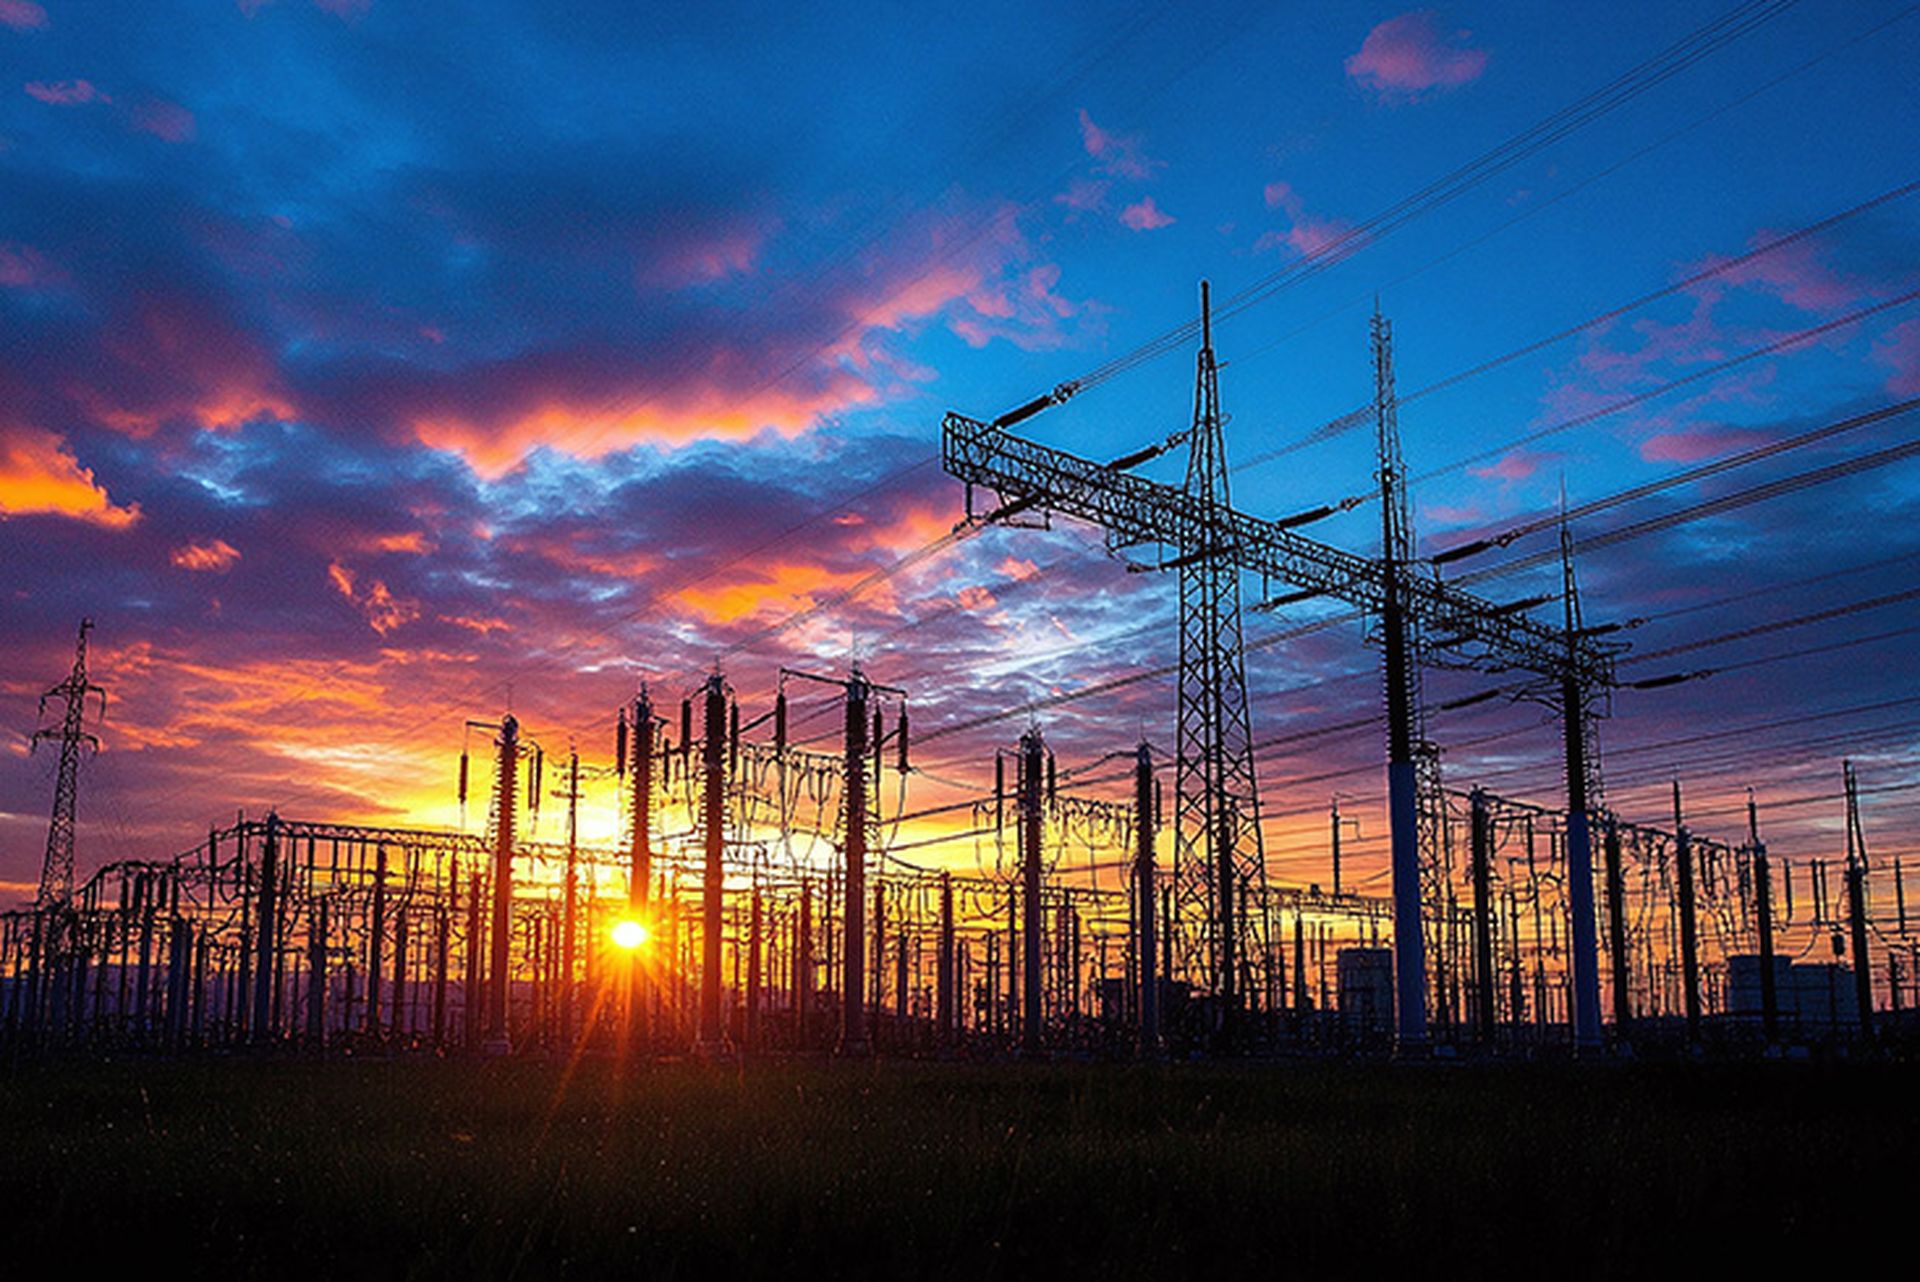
{"x": 368, "y": 367}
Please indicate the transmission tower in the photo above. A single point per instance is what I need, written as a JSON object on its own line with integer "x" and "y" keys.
{"x": 56, "y": 873}
{"x": 1218, "y": 868}
{"x": 1204, "y": 529}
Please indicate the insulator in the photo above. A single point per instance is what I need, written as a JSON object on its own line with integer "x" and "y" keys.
{"x": 686, "y": 723}
{"x": 1159, "y": 798}
{"x": 780, "y": 722}
{"x": 1053, "y": 781}
{"x": 999, "y": 784}
{"x": 620, "y": 747}
{"x": 879, "y": 734}
{"x": 533, "y": 778}
{"x": 463, "y": 776}
{"x": 902, "y": 732}
{"x": 1026, "y": 411}
{"x": 1461, "y": 551}
{"x": 733, "y": 738}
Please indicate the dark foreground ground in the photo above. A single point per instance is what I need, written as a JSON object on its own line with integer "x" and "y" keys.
{"x": 509, "y": 1169}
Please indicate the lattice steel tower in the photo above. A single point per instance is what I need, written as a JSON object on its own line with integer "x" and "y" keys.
{"x": 56, "y": 873}
{"x": 1219, "y": 865}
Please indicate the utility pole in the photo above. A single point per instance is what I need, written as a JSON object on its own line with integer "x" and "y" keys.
{"x": 853, "y": 981}
{"x": 944, "y": 976}
{"x": 1579, "y": 849}
{"x": 1143, "y": 870}
{"x": 1338, "y": 826}
{"x": 1617, "y": 932}
{"x": 1857, "y": 902}
{"x": 268, "y": 935}
{"x": 1763, "y": 908}
{"x": 570, "y": 892}
{"x": 1032, "y": 812}
{"x": 1689, "y": 932}
{"x": 1483, "y": 917}
{"x": 506, "y": 798}
{"x": 713, "y": 809}
{"x": 864, "y": 735}
{"x": 640, "y": 861}
{"x": 1402, "y": 690}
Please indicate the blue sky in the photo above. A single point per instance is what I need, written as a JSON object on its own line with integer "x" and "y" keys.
{"x": 364, "y": 362}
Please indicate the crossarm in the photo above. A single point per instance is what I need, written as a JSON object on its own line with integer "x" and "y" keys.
{"x": 1133, "y": 509}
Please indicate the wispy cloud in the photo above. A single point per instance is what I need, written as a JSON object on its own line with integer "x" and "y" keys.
{"x": 1407, "y": 57}
{"x": 1145, "y": 216}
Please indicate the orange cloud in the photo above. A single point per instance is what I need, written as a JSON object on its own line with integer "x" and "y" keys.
{"x": 39, "y": 474}
{"x": 473, "y": 623}
{"x": 384, "y": 611}
{"x": 413, "y": 541}
{"x": 215, "y": 557}
{"x": 776, "y": 589}
{"x": 589, "y": 431}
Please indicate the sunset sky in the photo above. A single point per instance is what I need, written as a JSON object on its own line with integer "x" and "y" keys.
{"x": 366, "y": 367}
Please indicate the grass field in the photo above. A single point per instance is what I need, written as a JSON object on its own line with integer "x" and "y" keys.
{"x": 428, "y": 1169}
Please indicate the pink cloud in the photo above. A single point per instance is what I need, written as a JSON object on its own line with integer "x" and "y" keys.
{"x": 1083, "y": 195}
{"x": 65, "y": 93}
{"x": 1405, "y": 56}
{"x": 345, "y": 10}
{"x": 1693, "y": 444}
{"x": 1900, "y": 349}
{"x": 1792, "y": 273}
{"x": 1145, "y": 216}
{"x": 1118, "y": 154}
{"x": 167, "y": 121}
{"x": 22, "y": 15}
{"x": 23, "y": 267}
{"x": 1514, "y": 466}
{"x": 1308, "y": 234}
{"x": 701, "y": 261}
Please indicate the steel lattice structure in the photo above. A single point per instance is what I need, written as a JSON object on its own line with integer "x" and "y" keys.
{"x": 1212, "y": 541}
{"x": 56, "y": 872}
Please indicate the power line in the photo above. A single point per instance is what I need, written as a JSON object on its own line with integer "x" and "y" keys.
{"x": 1670, "y": 62}
{"x": 1356, "y": 417}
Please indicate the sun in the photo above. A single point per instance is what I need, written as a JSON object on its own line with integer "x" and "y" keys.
{"x": 630, "y": 934}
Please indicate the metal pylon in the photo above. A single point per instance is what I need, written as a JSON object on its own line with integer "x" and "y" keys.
{"x": 56, "y": 872}
{"x": 1219, "y": 865}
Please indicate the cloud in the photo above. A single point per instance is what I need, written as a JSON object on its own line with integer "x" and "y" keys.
{"x": 1900, "y": 349}
{"x": 1083, "y": 195}
{"x": 22, "y": 15}
{"x": 1307, "y": 233}
{"x": 215, "y": 556}
{"x": 1404, "y": 57}
{"x": 167, "y": 121}
{"x": 1514, "y": 466}
{"x": 65, "y": 93}
{"x": 167, "y": 355}
{"x": 703, "y": 263}
{"x": 1120, "y": 155}
{"x": 384, "y": 611}
{"x": 1693, "y": 444}
{"x": 24, "y": 267}
{"x": 39, "y": 474}
{"x": 1145, "y": 216}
